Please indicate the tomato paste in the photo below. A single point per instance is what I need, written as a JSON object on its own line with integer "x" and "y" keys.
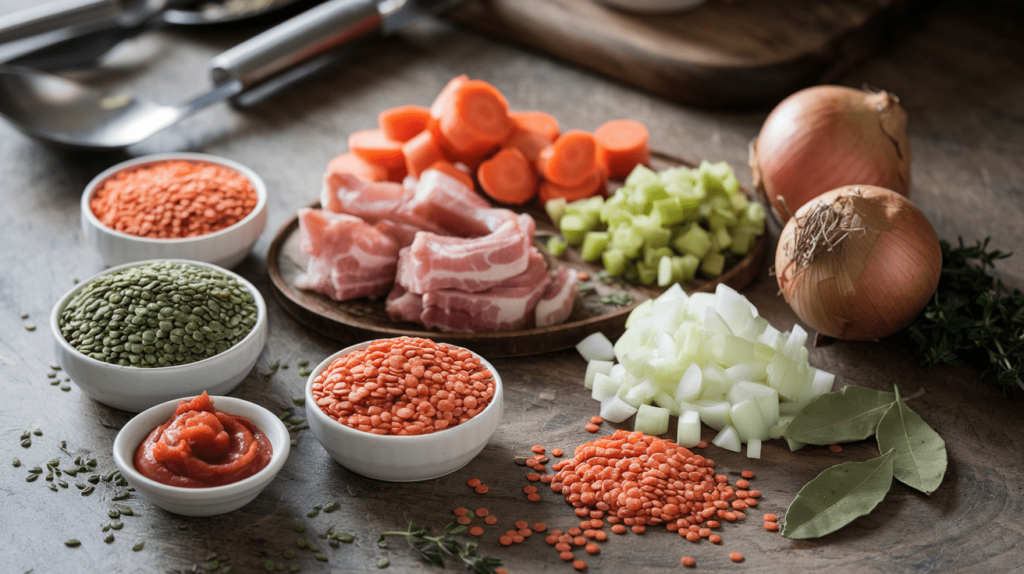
{"x": 201, "y": 446}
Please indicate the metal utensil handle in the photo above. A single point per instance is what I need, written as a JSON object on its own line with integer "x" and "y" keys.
{"x": 49, "y": 17}
{"x": 294, "y": 41}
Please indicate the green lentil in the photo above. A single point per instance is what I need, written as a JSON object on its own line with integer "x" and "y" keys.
{"x": 53, "y": 487}
{"x": 139, "y": 546}
{"x": 72, "y": 543}
{"x": 16, "y": 463}
{"x": 330, "y": 506}
{"x": 383, "y": 563}
{"x": 158, "y": 315}
{"x": 109, "y": 538}
{"x": 298, "y": 527}
{"x": 37, "y": 432}
{"x": 299, "y": 401}
{"x": 295, "y": 568}
{"x": 320, "y": 557}
{"x": 269, "y": 565}
{"x": 289, "y": 554}
{"x": 117, "y": 525}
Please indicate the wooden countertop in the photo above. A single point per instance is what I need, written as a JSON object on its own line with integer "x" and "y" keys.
{"x": 958, "y": 73}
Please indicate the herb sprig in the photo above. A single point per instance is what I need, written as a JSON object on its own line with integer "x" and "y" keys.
{"x": 434, "y": 549}
{"x": 972, "y": 318}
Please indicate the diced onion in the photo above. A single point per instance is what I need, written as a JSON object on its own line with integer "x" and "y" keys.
{"x": 596, "y": 347}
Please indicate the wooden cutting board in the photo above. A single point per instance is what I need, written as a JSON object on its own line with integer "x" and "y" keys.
{"x": 723, "y": 53}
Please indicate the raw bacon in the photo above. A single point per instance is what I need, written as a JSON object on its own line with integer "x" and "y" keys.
{"x": 349, "y": 258}
{"x": 372, "y": 201}
{"x": 555, "y": 305}
{"x": 435, "y": 262}
{"x": 402, "y": 305}
{"x": 455, "y": 208}
{"x": 504, "y": 307}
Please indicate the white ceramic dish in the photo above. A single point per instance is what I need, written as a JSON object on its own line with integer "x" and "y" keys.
{"x": 225, "y": 248}
{"x": 652, "y": 6}
{"x": 201, "y": 501}
{"x": 403, "y": 458}
{"x": 136, "y": 389}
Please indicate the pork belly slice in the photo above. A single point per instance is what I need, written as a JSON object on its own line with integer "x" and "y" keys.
{"x": 508, "y": 306}
{"x": 372, "y": 201}
{"x": 555, "y": 305}
{"x": 435, "y": 262}
{"x": 455, "y": 208}
{"x": 349, "y": 258}
{"x": 402, "y": 305}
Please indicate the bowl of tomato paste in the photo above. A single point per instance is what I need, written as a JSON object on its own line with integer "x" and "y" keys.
{"x": 202, "y": 456}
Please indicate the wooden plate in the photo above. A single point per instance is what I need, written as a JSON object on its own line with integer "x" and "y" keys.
{"x": 358, "y": 320}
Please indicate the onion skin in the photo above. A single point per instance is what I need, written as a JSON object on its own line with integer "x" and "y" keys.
{"x": 873, "y": 283}
{"x": 824, "y": 137}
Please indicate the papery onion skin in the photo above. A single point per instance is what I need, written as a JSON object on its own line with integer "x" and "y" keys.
{"x": 824, "y": 137}
{"x": 891, "y": 270}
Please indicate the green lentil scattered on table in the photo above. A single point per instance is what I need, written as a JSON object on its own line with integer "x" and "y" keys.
{"x": 158, "y": 315}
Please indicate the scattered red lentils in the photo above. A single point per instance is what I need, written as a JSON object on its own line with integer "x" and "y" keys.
{"x": 715, "y": 539}
{"x": 618, "y": 529}
{"x": 702, "y": 444}
{"x": 556, "y": 452}
{"x": 592, "y": 548}
{"x": 463, "y": 520}
{"x": 460, "y": 511}
{"x": 579, "y": 564}
{"x": 537, "y": 449}
{"x": 491, "y": 519}
{"x": 529, "y": 489}
{"x": 476, "y": 531}
{"x": 533, "y": 477}
{"x": 835, "y": 448}
{"x": 482, "y": 489}
{"x": 563, "y": 547}
{"x": 566, "y": 555}
{"x": 482, "y": 512}
{"x": 601, "y": 536}
{"x": 540, "y": 527}
{"x": 735, "y": 557}
{"x": 173, "y": 199}
{"x": 773, "y": 526}
{"x": 747, "y": 474}
{"x": 404, "y": 386}
{"x": 596, "y": 420}
{"x": 591, "y": 427}
{"x": 505, "y": 540}
{"x": 743, "y": 484}
{"x": 688, "y": 561}
{"x": 534, "y": 497}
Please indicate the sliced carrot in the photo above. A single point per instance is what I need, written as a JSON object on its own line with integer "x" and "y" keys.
{"x": 450, "y": 169}
{"x": 622, "y": 145}
{"x": 397, "y": 174}
{"x": 595, "y": 183}
{"x": 439, "y": 102}
{"x": 508, "y": 177}
{"x": 375, "y": 147}
{"x": 540, "y": 123}
{"x": 403, "y": 122}
{"x": 471, "y": 159}
{"x": 474, "y": 118}
{"x": 352, "y": 164}
{"x": 527, "y": 142}
{"x": 421, "y": 152}
{"x": 570, "y": 161}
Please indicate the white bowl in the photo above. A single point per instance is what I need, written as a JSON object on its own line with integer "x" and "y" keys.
{"x": 403, "y": 458}
{"x": 138, "y": 388}
{"x": 226, "y": 247}
{"x": 652, "y": 6}
{"x": 201, "y": 501}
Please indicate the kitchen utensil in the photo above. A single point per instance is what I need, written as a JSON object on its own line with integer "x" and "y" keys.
{"x": 62, "y": 111}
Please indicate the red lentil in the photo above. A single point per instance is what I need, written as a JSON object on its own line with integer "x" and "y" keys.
{"x": 463, "y": 520}
{"x": 505, "y": 540}
{"x": 618, "y": 529}
{"x": 460, "y": 511}
{"x": 566, "y": 555}
{"x": 476, "y": 531}
{"x": 529, "y": 489}
{"x": 482, "y": 512}
{"x": 747, "y": 474}
{"x": 563, "y": 547}
{"x": 551, "y": 539}
{"x": 525, "y": 532}
{"x": 735, "y": 557}
{"x": 482, "y": 489}
{"x": 591, "y": 427}
{"x": 579, "y": 541}
{"x": 688, "y": 561}
{"x": 596, "y": 420}
{"x": 173, "y": 199}
{"x": 540, "y": 527}
{"x": 715, "y": 539}
{"x": 773, "y": 526}
{"x": 592, "y": 548}
{"x": 404, "y": 386}
{"x": 835, "y": 448}
{"x": 537, "y": 449}
{"x": 557, "y": 452}
{"x": 533, "y": 477}
{"x": 491, "y": 519}
{"x": 702, "y": 444}
{"x": 534, "y": 497}
{"x": 771, "y": 518}
{"x": 579, "y": 564}
{"x": 601, "y": 536}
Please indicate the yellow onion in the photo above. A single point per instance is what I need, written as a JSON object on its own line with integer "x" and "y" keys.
{"x": 858, "y": 263}
{"x": 825, "y": 137}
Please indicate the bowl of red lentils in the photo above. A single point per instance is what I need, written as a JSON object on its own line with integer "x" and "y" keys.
{"x": 403, "y": 409}
{"x": 191, "y": 206}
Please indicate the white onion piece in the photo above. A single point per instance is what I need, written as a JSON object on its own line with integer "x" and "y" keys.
{"x": 728, "y": 439}
{"x": 614, "y": 410}
{"x": 665, "y": 401}
{"x": 596, "y": 347}
{"x": 715, "y": 414}
{"x": 651, "y": 420}
{"x": 604, "y": 387}
{"x": 754, "y": 448}
{"x": 748, "y": 421}
{"x": 690, "y": 384}
{"x": 688, "y": 430}
{"x": 594, "y": 367}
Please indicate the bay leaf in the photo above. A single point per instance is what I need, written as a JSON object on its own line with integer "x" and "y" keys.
{"x": 837, "y": 496}
{"x": 847, "y": 415}
{"x": 920, "y": 453}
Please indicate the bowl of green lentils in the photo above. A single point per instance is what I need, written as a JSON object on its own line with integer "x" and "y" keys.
{"x": 144, "y": 333}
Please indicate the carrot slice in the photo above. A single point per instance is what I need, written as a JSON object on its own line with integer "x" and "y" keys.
{"x": 375, "y": 147}
{"x": 540, "y": 123}
{"x": 450, "y": 169}
{"x": 527, "y": 142}
{"x": 595, "y": 183}
{"x": 439, "y": 104}
{"x": 352, "y": 164}
{"x": 508, "y": 177}
{"x": 471, "y": 159}
{"x": 421, "y": 152}
{"x": 570, "y": 160}
{"x": 621, "y": 145}
{"x": 403, "y": 122}
{"x": 474, "y": 118}
{"x": 397, "y": 174}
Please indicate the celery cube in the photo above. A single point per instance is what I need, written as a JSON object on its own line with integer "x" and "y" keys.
{"x": 614, "y": 261}
{"x": 713, "y": 264}
{"x": 694, "y": 241}
{"x": 648, "y": 274}
{"x": 556, "y": 245}
{"x": 667, "y": 274}
{"x": 555, "y": 208}
{"x": 593, "y": 245}
{"x": 722, "y": 238}
{"x": 687, "y": 266}
{"x": 669, "y": 210}
{"x": 652, "y": 256}
{"x": 574, "y": 228}
{"x": 627, "y": 240}
{"x": 742, "y": 239}
{"x": 641, "y": 174}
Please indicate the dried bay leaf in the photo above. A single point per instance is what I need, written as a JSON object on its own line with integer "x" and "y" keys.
{"x": 920, "y": 453}
{"x": 837, "y": 496}
{"x": 848, "y": 415}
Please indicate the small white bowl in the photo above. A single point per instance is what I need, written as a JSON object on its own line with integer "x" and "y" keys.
{"x": 403, "y": 458}
{"x": 201, "y": 501}
{"x": 225, "y": 248}
{"x": 138, "y": 388}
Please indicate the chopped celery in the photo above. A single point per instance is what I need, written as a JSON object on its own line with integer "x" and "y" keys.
{"x": 555, "y": 208}
{"x": 666, "y": 272}
{"x": 641, "y": 174}
{"x": 651, "y": 233}
{"x": 594, "y": 244}
{"x": 742, "y": 240}
{"x": 652, "y": 255}
{"x": 694, "y": 241}
{"x": 722, "y": 237}
{"x": 574, "y": 228}
{"x": 614, "y": 261}
{"x": 626, "y": 240}
{"x": 556, "y": 245}
{"x": 713, "y": 264}
{"x": 669, "y": 210}
{"x": 687, "y": 265}
{"x": 648, "y": 274}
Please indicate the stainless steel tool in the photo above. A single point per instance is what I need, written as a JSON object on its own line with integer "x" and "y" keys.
{"x": 55, "y": 109}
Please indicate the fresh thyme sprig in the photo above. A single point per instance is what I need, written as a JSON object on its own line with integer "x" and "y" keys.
{"x": 972, "y": 318}
{"x": 434, "y": 549}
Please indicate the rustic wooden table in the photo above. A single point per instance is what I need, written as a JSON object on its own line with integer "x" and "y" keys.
{"x": 959, "y": 75}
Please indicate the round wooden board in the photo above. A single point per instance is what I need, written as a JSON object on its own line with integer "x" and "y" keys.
{"x": 351, "y": 322}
